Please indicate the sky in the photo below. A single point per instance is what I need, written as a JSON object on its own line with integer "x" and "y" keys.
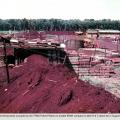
{"x": 60, "y": 9}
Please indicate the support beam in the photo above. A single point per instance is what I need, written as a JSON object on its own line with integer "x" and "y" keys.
{"x": 5, "y": 61}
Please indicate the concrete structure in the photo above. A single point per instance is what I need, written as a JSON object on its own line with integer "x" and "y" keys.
{"x": 103, "y": 33}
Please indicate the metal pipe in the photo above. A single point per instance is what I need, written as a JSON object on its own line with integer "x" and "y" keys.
{"x": 117, "y": 44}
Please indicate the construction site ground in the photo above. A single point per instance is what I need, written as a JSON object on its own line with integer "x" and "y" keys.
{"x": 44, "y": 84}
{"x": 93, "y": 75}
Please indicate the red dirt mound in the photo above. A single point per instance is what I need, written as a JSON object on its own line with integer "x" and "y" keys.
{"x": 38, "y": 87}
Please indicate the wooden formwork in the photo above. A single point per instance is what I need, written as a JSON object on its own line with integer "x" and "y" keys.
{"x": 82, "y": 65}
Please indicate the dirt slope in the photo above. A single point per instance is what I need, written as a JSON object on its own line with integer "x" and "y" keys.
{"x": 38, "y": 87}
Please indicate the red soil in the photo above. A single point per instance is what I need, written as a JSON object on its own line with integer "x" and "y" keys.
{"x": 28, "y": 35}
{"x": 9, "y": 51}
{"x": 31, "y": 35}
{"x": 38, "y": 87}
{"x": 60, "y": 32}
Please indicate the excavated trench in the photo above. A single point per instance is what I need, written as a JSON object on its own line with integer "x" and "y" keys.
{"x": 53, "y": 55}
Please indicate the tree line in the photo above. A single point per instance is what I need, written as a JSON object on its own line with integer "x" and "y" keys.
{"x": 57, "y": 24}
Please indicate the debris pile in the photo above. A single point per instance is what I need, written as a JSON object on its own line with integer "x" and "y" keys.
{"x": 39, "y": 87}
